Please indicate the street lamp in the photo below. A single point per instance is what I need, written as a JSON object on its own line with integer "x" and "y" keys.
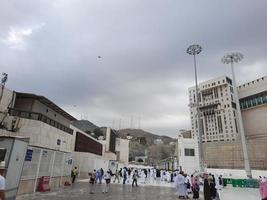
{"x": 194, "y": 50}
{"x": 231, "y": 59}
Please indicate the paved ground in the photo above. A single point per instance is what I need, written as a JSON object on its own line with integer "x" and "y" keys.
{"x": 117, "y": 192}
{"x": 150, "y": 191}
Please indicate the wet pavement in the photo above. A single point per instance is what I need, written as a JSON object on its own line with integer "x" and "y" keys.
{"x": 80, "y": 190}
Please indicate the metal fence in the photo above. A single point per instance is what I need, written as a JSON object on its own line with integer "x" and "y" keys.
{"x": 44, "y": 162}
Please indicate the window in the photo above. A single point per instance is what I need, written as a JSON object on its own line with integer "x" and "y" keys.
{"x": 264, "y": 99}
{"x": 259, "y": 100}
{"x": 249, "y": 103}
{"x": 189, "y": 152}
{"x": 254, "y": 102}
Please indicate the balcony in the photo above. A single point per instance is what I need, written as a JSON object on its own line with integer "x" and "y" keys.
{"x": 39, "y": 117}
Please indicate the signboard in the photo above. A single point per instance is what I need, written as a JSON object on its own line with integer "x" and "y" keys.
{"x": 69, "y": 161}
{"x": 28, "y": 156}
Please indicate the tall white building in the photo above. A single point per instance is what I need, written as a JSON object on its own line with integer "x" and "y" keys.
{"x": 217, "y": 108}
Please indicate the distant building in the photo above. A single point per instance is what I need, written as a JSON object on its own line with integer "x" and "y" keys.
{"x": 158, "y": 141}
{"x": 217, "y": 108}
{"x": 253, "y": 103}
{"x": 129, "y": 137}
{"x": 141, "y": 140}
{"x": 186, "y": 134}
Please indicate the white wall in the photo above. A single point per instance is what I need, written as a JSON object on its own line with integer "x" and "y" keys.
{"x": 189, "y": 164}
{"x": 87, "y": 162}
{"x": 44, "y": 135}
{"x": 122, "y": 146}
{"x": 5, "y": 100}
{"x": 253, "y": 87}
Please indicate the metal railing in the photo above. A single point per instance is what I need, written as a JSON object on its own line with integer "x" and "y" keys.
{"x": 39, "y": 117}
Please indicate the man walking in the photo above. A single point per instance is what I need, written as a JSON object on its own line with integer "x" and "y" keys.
{"x": 135, "y": 178}
{"x": 74, "y": 173}
{"x": 92, "y": 177}
{"x": 124, "y": 174}
{"x": 99, "y": 176}
{"x": 117, "y": 176}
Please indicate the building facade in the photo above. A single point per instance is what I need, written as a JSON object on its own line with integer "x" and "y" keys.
{"x": 228, "y": 153}
{"x": 51, "y": 141}
{"x": 55, "y": 145}
{"x": 217, "y": 108}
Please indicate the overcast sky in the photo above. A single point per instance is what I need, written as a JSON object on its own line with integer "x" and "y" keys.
{"x": 52, "y": 48}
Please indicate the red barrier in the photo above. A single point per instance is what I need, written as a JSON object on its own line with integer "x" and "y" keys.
{"x": 44, "y": 184}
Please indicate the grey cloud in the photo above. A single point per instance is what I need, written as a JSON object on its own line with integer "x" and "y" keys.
{"x": 143, "y": 70}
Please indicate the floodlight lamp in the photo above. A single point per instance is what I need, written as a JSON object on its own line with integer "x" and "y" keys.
{"x": 232, "y": 57}
{"x": 194, "y": 49}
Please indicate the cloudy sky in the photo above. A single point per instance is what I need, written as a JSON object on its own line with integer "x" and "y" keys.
{"x": 120, "y": 61}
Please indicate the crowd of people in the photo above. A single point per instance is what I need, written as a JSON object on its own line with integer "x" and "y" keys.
{"x": 186, "y": 186}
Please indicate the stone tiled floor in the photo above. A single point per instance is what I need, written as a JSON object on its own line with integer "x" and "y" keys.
{"x": 117, "y": 192}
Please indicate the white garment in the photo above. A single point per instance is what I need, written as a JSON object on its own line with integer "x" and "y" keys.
{"x": 168, "y": 177}
{"x": 161, "y": 175}
{"x": 181, "y": 187}
{"x": 2, "y": 183}
{"x": 105, "y": 186}
{"x": 107, "y": 176}
{"x": 142, "y": 177}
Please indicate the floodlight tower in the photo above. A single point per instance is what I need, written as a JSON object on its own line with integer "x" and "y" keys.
{"x": 231, "y": 59}
{"x": 194, "y": 50}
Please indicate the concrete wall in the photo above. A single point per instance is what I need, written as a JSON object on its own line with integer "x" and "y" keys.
{"x": 24, "y": 104}
{"x": 255, "y": 120}
{"x": 122, "y": 147}
{"x": 44, "y": 135}
{"x": 230, "y": 155}
{"x": 45, "y": 110}
{"x": 189, "y": 164}
{"x": 5, "y": 100}
{"x": 87, "y": 162}
{"x": 253, "y": 87}
{"x": 29, "y": 104}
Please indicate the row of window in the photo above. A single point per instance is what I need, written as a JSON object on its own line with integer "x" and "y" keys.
{"x": 40, "y": 117}
{"x": 258, "y": 80}
{"x": 253, "y": 101}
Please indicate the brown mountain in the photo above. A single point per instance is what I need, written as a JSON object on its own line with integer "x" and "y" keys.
{"x": 143, "y": 143}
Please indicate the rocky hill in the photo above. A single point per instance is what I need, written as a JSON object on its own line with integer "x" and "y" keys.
{"x": 149, "y": 137}
{"x": 85, "y": 125}
{"x": 152, "y": 146}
